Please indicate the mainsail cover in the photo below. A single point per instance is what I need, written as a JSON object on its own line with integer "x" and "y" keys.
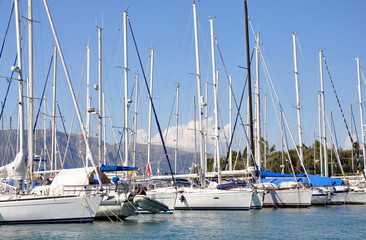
{"x": 74, "y": 177}
{"x": 15, "y": 169}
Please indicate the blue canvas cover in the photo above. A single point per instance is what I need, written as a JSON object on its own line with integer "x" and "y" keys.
{"x": 109, "y": 168}
{"x": 316, "y": 181}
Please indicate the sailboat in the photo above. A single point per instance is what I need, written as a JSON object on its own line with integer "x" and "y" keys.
{"x": 211, "y": 198}
{"x": 17, "y": 204}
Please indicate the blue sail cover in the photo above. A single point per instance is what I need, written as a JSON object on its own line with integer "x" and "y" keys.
{"x": 315, "y": 181}
{"x": 108, "y": 168}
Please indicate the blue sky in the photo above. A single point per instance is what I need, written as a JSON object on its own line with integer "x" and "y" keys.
{"x": 335, "y": 26}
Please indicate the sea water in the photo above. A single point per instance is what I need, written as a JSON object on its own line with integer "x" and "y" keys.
{"x": 329, "y": 222}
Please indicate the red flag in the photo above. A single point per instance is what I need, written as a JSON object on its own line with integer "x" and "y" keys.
{"x": 148, "y": 170}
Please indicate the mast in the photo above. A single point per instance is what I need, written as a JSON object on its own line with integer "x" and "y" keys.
{"x": 54, "y": 131}
{"x": 257, "y": 109}
{"x": 323, "y": 113}
{"x": 135, "y": 122}
{"x": 206, "y": 124}
{"x": 30, "y": 93}
{"x": 230, "y": 123}
{"x": 265, "y": 132}
{"x": 282, "y": 155}
{"x": 19, "y": 69}
{"x": 126, "y": 85}
{"x": 298, "y": 100}
{"x": 177, "y": 132}
{"x": 249, "y": 79}
{"x": 215, "y": 84}
{"x": 100, "y": 95}
{"x": 331, "y": 145}
{"x": 150, "y": 107}
{"x": 44, "y": 131}
{"x": 320, "y": 136}
{"x": 361, "y": 112}
{"x": 351, "y": 113}
{"x": 88, "y": 99}
{"x": 104, "y": 131}
{"x": 195, "y": 129}
{"x": 314, "y": 153}
{"x": 248, "y": 130}
{"x": 199, "y": 99}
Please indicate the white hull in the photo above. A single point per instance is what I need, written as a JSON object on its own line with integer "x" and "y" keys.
{"x": 288, "y": 198}
{"x": 348, "y": 197}
{"x": 204, "y": 199}
{"x": 38, "y": 209}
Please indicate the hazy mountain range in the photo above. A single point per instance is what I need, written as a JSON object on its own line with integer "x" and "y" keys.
{"x": 76, "y": 152}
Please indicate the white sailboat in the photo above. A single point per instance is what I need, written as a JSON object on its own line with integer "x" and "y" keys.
{"x": 17, "y": 205}
{"x": 211, "y": 198}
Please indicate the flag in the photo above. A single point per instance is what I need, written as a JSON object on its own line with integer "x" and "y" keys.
{"x": 148, "y": 170}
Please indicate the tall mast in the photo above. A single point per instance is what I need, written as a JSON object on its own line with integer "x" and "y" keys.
{"x": 206, "y": 124}
{"x": 19, "y": 69}
{"x": 195, "y": 129}
{"x": 104, "y": 131}
{"x": 177, "y": 132}
{"x": 135, "y": 120}
{"x": 314, "y": 154}
{"x": 249, "y": 79}
{"x": 282, "y": 155}
{"x": 44, "y": 130}
{"x": 265, "y": 132}
{"x": 248, "y": 143}
{"x": 100, "y": 95}
{"x": 298, "y": 99}
{"x": 30, "y": 92}
{"x": 150, "y": 107}
{"x": 361, "y": 112}
{"x": 351, "y": 113}
{"x": 199, "y": 99}
{"x": 331, "y": 144}
{"x": 215, "y": 84}
{"x": 323, "y": 113}
{"x": 257, "y": 109}
{"x": 54, "y": 131}
{"x": 320, "y": 136}
{"x": 230, "y": 123}
{"x": 126, "y": 85}
{"x": 88, "y": 99}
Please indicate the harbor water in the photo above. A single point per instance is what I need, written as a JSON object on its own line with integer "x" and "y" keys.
{"x": 329, "y": 222}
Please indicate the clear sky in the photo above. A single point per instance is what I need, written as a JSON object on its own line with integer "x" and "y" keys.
{"x": 337, "y": 27}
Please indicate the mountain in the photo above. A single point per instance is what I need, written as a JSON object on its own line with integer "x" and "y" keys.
{"x": 75, "y": 156}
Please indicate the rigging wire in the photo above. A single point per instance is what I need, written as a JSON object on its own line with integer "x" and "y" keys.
{"x": 7, "y": 90}
{"x": 6, "y": 31}
{"x": 153, "y": 107}
{"x": 42, "y": 97}
{"x": 336, "y": 143}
